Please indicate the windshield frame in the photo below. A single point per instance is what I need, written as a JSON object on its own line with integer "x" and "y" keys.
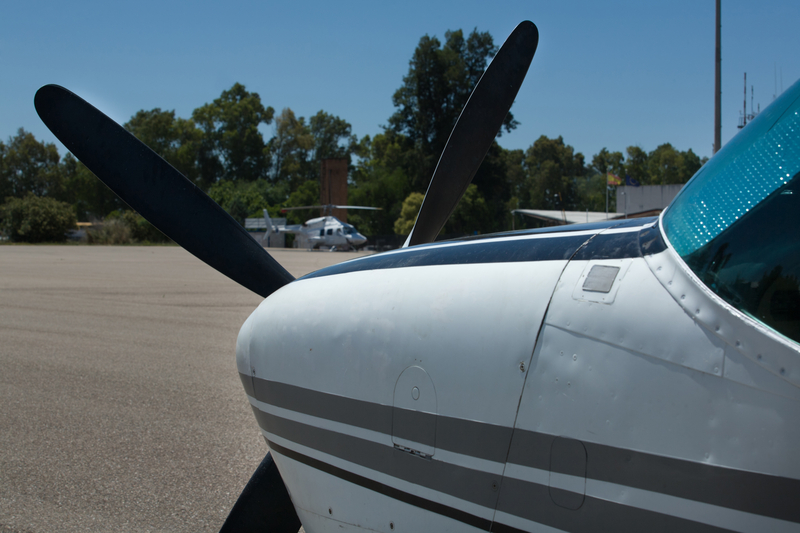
{"x": 739, "y": 193}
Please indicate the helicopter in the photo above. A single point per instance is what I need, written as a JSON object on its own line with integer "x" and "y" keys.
{"x": 630, "y": 375}
{"x": 327, "y": 230}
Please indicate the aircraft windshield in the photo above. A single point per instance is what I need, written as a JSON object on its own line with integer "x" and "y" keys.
{"x": 349, "y": 230}
{"x": 735, "y": 224}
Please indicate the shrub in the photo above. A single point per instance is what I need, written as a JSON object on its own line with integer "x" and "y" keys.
{"x": 36, "y": 219}
{"x": 125, "y": 227}
{"x": 141, "y": 229}
{"x": 114, "y": 231}
{"x": 408, "y": 214}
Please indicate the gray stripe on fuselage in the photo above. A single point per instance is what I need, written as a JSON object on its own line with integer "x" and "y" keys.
{"x": 382, "y": 488}
{"x": 467, "y": 437}
{"x": 470, "y": 485}
{"x": 414, "y": 426}
{"x": 247, "y": 383}
{"x": 750, "y": 492}
{"x": 367, "y": 415}
{"x": 530, "y": 501}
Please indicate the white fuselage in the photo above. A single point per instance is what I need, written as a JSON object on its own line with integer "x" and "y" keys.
{"x": 487, "y": 383}
{"x": 330, "y": 232}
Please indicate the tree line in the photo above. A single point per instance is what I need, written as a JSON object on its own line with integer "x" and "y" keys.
{"x": 222, "y": 148}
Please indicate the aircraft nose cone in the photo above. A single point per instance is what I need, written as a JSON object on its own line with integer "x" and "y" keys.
{"x": 357, "y": 239}
{"x": 243, "y": 362}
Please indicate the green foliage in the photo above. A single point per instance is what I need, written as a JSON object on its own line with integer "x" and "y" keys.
{"x": 125, "y": 227}
{"x": 591, "y": 192}
{"x": 496, "y": 187}
{"x": 384, "y": 189}
{"x": 333, "y": 137}
{"x": 89, "y": 196}
{"x": 247, "y": 199}
{"x": 177, "y": 140}
{"x": 222, "y": 150}
{"x": 636, "y": 164}
{"x": 604, "y": 162}
{"x": 141, "y": 230}
{"x": 232, "y": 147}
{"x": 515, "y": 174}
{"x": 551, "y": 169}
{"x": 663, "y": 166}
{"x": 36, "y": 219}
{"x": 305, "y": 194}
{"x": 298, "y": 148}
{"x": 290, "y": 148}
{"x": 112, "y": 231}
{"x": 408, "y": 214}
{"x": 439, "y": 81}
{"x": 471, "y": 216}
{"x": 668, "y": 166}
{"x": 379, "y": 180}
{"x": 29, "y": 166}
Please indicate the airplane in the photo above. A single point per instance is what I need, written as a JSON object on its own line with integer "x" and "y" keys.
{"x": 326, "y": 230}
{"x": 634, "y": 375}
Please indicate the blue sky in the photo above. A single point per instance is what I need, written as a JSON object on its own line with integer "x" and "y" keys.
{"x": 606, "y": 74}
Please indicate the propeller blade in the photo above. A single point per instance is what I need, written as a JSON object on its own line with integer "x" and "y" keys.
{"x": 475, "y": 129}
{"x": 158, "y": 192}
{"x": 264, "y": 504}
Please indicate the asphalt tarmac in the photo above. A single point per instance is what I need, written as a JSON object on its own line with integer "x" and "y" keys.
{"x": 122, "y": 409}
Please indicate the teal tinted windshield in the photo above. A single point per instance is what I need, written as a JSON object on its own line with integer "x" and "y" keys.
{"x": 736, "y": 222}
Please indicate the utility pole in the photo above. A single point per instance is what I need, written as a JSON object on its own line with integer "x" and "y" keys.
{"x": 718, "y": 88}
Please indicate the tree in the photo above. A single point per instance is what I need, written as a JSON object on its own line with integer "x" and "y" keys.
{"x": 177, "y": 140}
{"x": 551, "y": 169}
{"x": 290, "y": 150}
{"x": 138, "y": 228}
{"x": 592, "y": 191}
{"x": 248, "y": 199}
{"x": 591, "y": 194}
{"x": 298, "y": 148}
{"x": 668, "y": 166}
{"x": 29, "y": 166}
{"x": 494, "y": 184}
{"x": 36, "y": 219}
{"x": 471, "y": 215}
{"x": 306, "y": 194}
{"x": 232, "y": 146}
{"x": 89, "y": 196}
{"x": 408, "y": 214}
{"x": 605, "y": 162}
{"x": 435, "y": 90}
{"x": 333, "y": 137}
{"x": 515, "y": 178}
{"x": 636, "y": 164}
{"x": 515, "y": 174}
{"x": 379, "y": 180}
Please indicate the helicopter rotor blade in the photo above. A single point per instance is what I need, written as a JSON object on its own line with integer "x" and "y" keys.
{"x": 474, "y": 132}
{"x": 161, "y": 194}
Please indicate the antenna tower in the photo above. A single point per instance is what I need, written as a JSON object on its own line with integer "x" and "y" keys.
{"x": 746, "y": 117}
